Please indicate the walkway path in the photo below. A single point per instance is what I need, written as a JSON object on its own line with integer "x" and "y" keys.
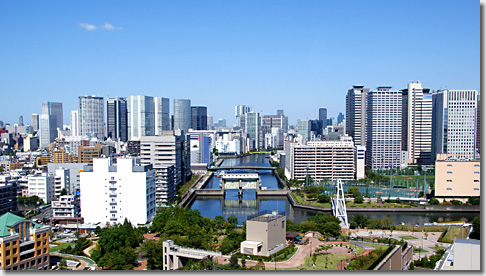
{"x": 86, "y": 251}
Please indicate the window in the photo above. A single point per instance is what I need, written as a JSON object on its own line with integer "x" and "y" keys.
{"x": 449, "y": 189}
{"x": 449, "y": 165}
{"x": 476, "y": 172}
{"x": 476, "y": 189}
{"x": 283, "y": 224}
{"x": 476, "y": 180}
{"x": 449, "y": 180}
{"x": 449, "y": 172}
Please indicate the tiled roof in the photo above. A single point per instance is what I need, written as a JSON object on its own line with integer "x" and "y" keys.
{"x": 8, "y": 220}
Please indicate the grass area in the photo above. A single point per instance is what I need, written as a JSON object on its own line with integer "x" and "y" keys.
{"x": 455, "y": 232}
{"x": 419, "y": 249}
{"x": 302, "y": 199}
{"x": 332, "y": 262}
{"x": 59, "y": 247}
{"x": 420, "y": 228}
{"x": 437, "y": 248}
{"x": 378, "y": 246}
{"x": 183, "y": 189}
{"x": 409, "y": 238}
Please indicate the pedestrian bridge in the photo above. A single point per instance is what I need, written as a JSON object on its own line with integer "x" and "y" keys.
{"x": 228, "y": 168}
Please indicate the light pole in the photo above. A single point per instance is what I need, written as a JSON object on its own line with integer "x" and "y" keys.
{"x": 424, "y": 168}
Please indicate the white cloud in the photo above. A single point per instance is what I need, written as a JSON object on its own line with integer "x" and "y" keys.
{"x": 106, "y": 27}
{"x": 87, "y": 26}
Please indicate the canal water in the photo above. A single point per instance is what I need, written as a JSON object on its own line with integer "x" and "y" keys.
{"x": 250, "y": 204}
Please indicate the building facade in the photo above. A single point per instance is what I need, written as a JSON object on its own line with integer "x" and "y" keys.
{"x": 66, "y": 207}
{"x": 47, "y": 130}
{"x": 111, "y": 193}
{"x": 55, "y": 110}
{"x": 147, "y": 116}
{"x": 75, "y": 123}
{"x": 323, "y": 117}
{"x": 42, "y": 185}
{"x": 34, "y": 122}
{"x": 240, "y": 111}
{"x": 265, "y": 234}
{"x": 182, "y": 114}
{"x": 91, "y": 110}
{"x": 356, "y": 114}
{"x": 384, "y": 128}
{"x": 199, "y": 118}
{"x": 117, "y": 118}
{"x": 253, "y": 128}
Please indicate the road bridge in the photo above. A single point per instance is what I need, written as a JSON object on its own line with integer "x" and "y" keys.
{"x": 228, "y": 168}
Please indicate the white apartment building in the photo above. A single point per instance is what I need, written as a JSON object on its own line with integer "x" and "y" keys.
{"x": 360, "y": 162}
{"x": 41, "y": 185}
{"x": 61, "y": 181}
{"x": 417, "y": 123}
{"x": 356, "y": 114}
{"x": 112, "y": 192}
{"x": 322, "y": 160}
{"x": 384, "y": 128}
{"x": 66, "y": 207}
{"x": 226, "y": 146}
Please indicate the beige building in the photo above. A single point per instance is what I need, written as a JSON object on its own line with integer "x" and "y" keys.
{"x": 321, "y": 160}
{"x": 463, "y": 254}
{"x": 265, "y": 234}
{"x": 457, "y": 177}
{"x": 23, "y": 244}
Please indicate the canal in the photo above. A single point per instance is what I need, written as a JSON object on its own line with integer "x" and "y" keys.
{"x": 230, "y": 205}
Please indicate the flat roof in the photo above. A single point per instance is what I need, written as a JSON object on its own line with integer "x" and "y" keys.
{"x": 252, "y": 243}
{"x": 467, "y": 241}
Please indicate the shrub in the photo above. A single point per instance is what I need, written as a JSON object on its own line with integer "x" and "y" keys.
{"x": 324, "y": 199}
{"x": 456, "y": 202}
{"x": 434, "y": 201}
{"x": 358, "y": 199}
{"x": 475, "y": 200}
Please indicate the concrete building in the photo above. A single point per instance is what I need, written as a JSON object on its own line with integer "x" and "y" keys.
{"x": 74, "y": 171}
{"x": 47, "y": 130}
{"x": 75, "y": 123}
{"x": 175, "y": 257}
{"x": 55, "y": 110}
{"x": 322, "y": 160}
{"x": 356, "y": 114}
{"x": 221, "y": 122}
{"x": 360, "y": 162}
{"x": 265, "y": 234}
{"x": 462, "y": 255}
{"x": 253, "y": 128}
{"x": 117, "y": 118}
{"x": 61, "y": 181}
{"x": 147, "y": 116}
{"x": 210, "y": 123}
{"x": 199, "y": 118}
{"x": 171, "y": 148}
{"x": 112, "y": 192}
{"x": 34, "y": 122}
{"x": 275, "y": 121}
{"x": 91, "y": 111}
{"x": 31, "y": 143}
{"x": 417, "y": 123}
{"x": 87, "y": 154}
{"x": 66, "y": 207}
{"x": 384, "y": 128}
{"x": 454, "y": 122}
{"x": 24, "y": 244}
{"x": 457, "y": 177}
{"x": 42, "y": 185}
{"x": 226, "y": 146}
{"x": 240, "y": 111}
{"x": 8, "y": 195}
{"x": 182, "y": 114}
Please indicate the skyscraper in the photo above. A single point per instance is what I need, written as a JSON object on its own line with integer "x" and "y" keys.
{"x": 21, "y": 120}
{"x": 147, "y": 116}
{"x": 34, "y": 122}
{"x": 54, "y": 109}
{"x": 75, "y": 123}
{"x": 417, "y": 123}
{"x": 47, "y": 130}
{"x": 454, "y": 122}
{"x": 252, "y": 128}
{"x": 304, "y": 129}
{"x": 271, "y": 121}
{"x": 240, "y": 111}
{"x": 117, "y": 118}
{"x": 384, "y": 128}
{"x": 323, "y": 117}
{"x": 340, "y": 118}
{"x": 182, "y": 114}
{"x": 199, "y": 116}
{"x": 91, "y": 116}
{"x": 210, "y": 122}
{"x": 356, "y": 114}
{"x": 222, "y": 123}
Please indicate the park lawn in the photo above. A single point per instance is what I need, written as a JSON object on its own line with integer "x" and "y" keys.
{"x": 332, "y": 262}
{"x": 59, "y": 247}
{"x": 419, "y": 249}
{"x": 378, "y": 246}
{"x": 409, "y": 238}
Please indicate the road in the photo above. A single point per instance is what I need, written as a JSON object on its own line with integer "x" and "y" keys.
{"x": 45, "y": 214}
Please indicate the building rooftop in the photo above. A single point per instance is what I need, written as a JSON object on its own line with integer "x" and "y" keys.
{"x": 266, "y": 216}
{"x": 467, "y": 241}
{"x": 8, "y": 220}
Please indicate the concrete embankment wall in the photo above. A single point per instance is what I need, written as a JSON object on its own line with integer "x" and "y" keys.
{"x": 453, "y": 208}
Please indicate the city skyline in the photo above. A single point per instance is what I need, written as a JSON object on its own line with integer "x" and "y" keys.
{"x": 262, "y": 57}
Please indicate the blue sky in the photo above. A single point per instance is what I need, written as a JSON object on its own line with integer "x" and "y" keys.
{"x": 292, "y": 55}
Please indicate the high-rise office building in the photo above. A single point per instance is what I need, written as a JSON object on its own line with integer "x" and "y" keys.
{"x": 21, "y": 120}
{"x": 340, "y": 118}
{"x": 199, "y": 116}
{"x": 47, "y": 130}
{"x": 252, "y": 128}
{"x": 182, "y": 114}
{"x": 54, "y": 109}
{"x": 75, "y": 123}
{"x": 454, "y": 122}
{"x": 304, "y": 129}
{"x": 315, "y": 129}
{"x": 417, "y": 123}
{"x": 91, "y": 110}
{"x": 323, "y": 117}
{"x": 384, "y": 128}
{"x": 272, "y": 121}
{"x": 34, "y": 122}
{"x": 356, "y": 114}
{"x": 117, "y": 118}
{"x": 222, "y": 123}
{"x": 147, "y": 116}
{"x": 240, "y": 111}
{"x": 210, "y": 122}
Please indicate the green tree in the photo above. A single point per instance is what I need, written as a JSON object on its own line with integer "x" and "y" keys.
{"x": 324, "y": 199}
{"x": 152, "y": 250}
{"x": 361, "y": 221}
{"x": 475, "y": 200}
{"x": 358, "y": 199}
{"x": 63, "y": 192}
{"x": 234, "y": 262}
{"x": 434, "y": 201}
{"x": 233, "y": 220}
{"x": 476, "y": 224}
{"x": 354, "y": 191}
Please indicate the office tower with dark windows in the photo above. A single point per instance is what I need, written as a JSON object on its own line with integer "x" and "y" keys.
{"x": 356, "y": 114}
{"x": 323, "y": 117}
{"x": 182, "y": 114}
{"x": 252, "y": 128}
{"x": 34, "y": 122}
{"x": 91, "y": 116}
{"x": 54, "y": 109}
{"x": 384, "y": 128}
{"x": 117, "y": 118}
{"x": 240, "y": 111}
{"x": 47, "y": 130}
{"x": 199, "y": 116}
{"x": 21, "y": 120}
